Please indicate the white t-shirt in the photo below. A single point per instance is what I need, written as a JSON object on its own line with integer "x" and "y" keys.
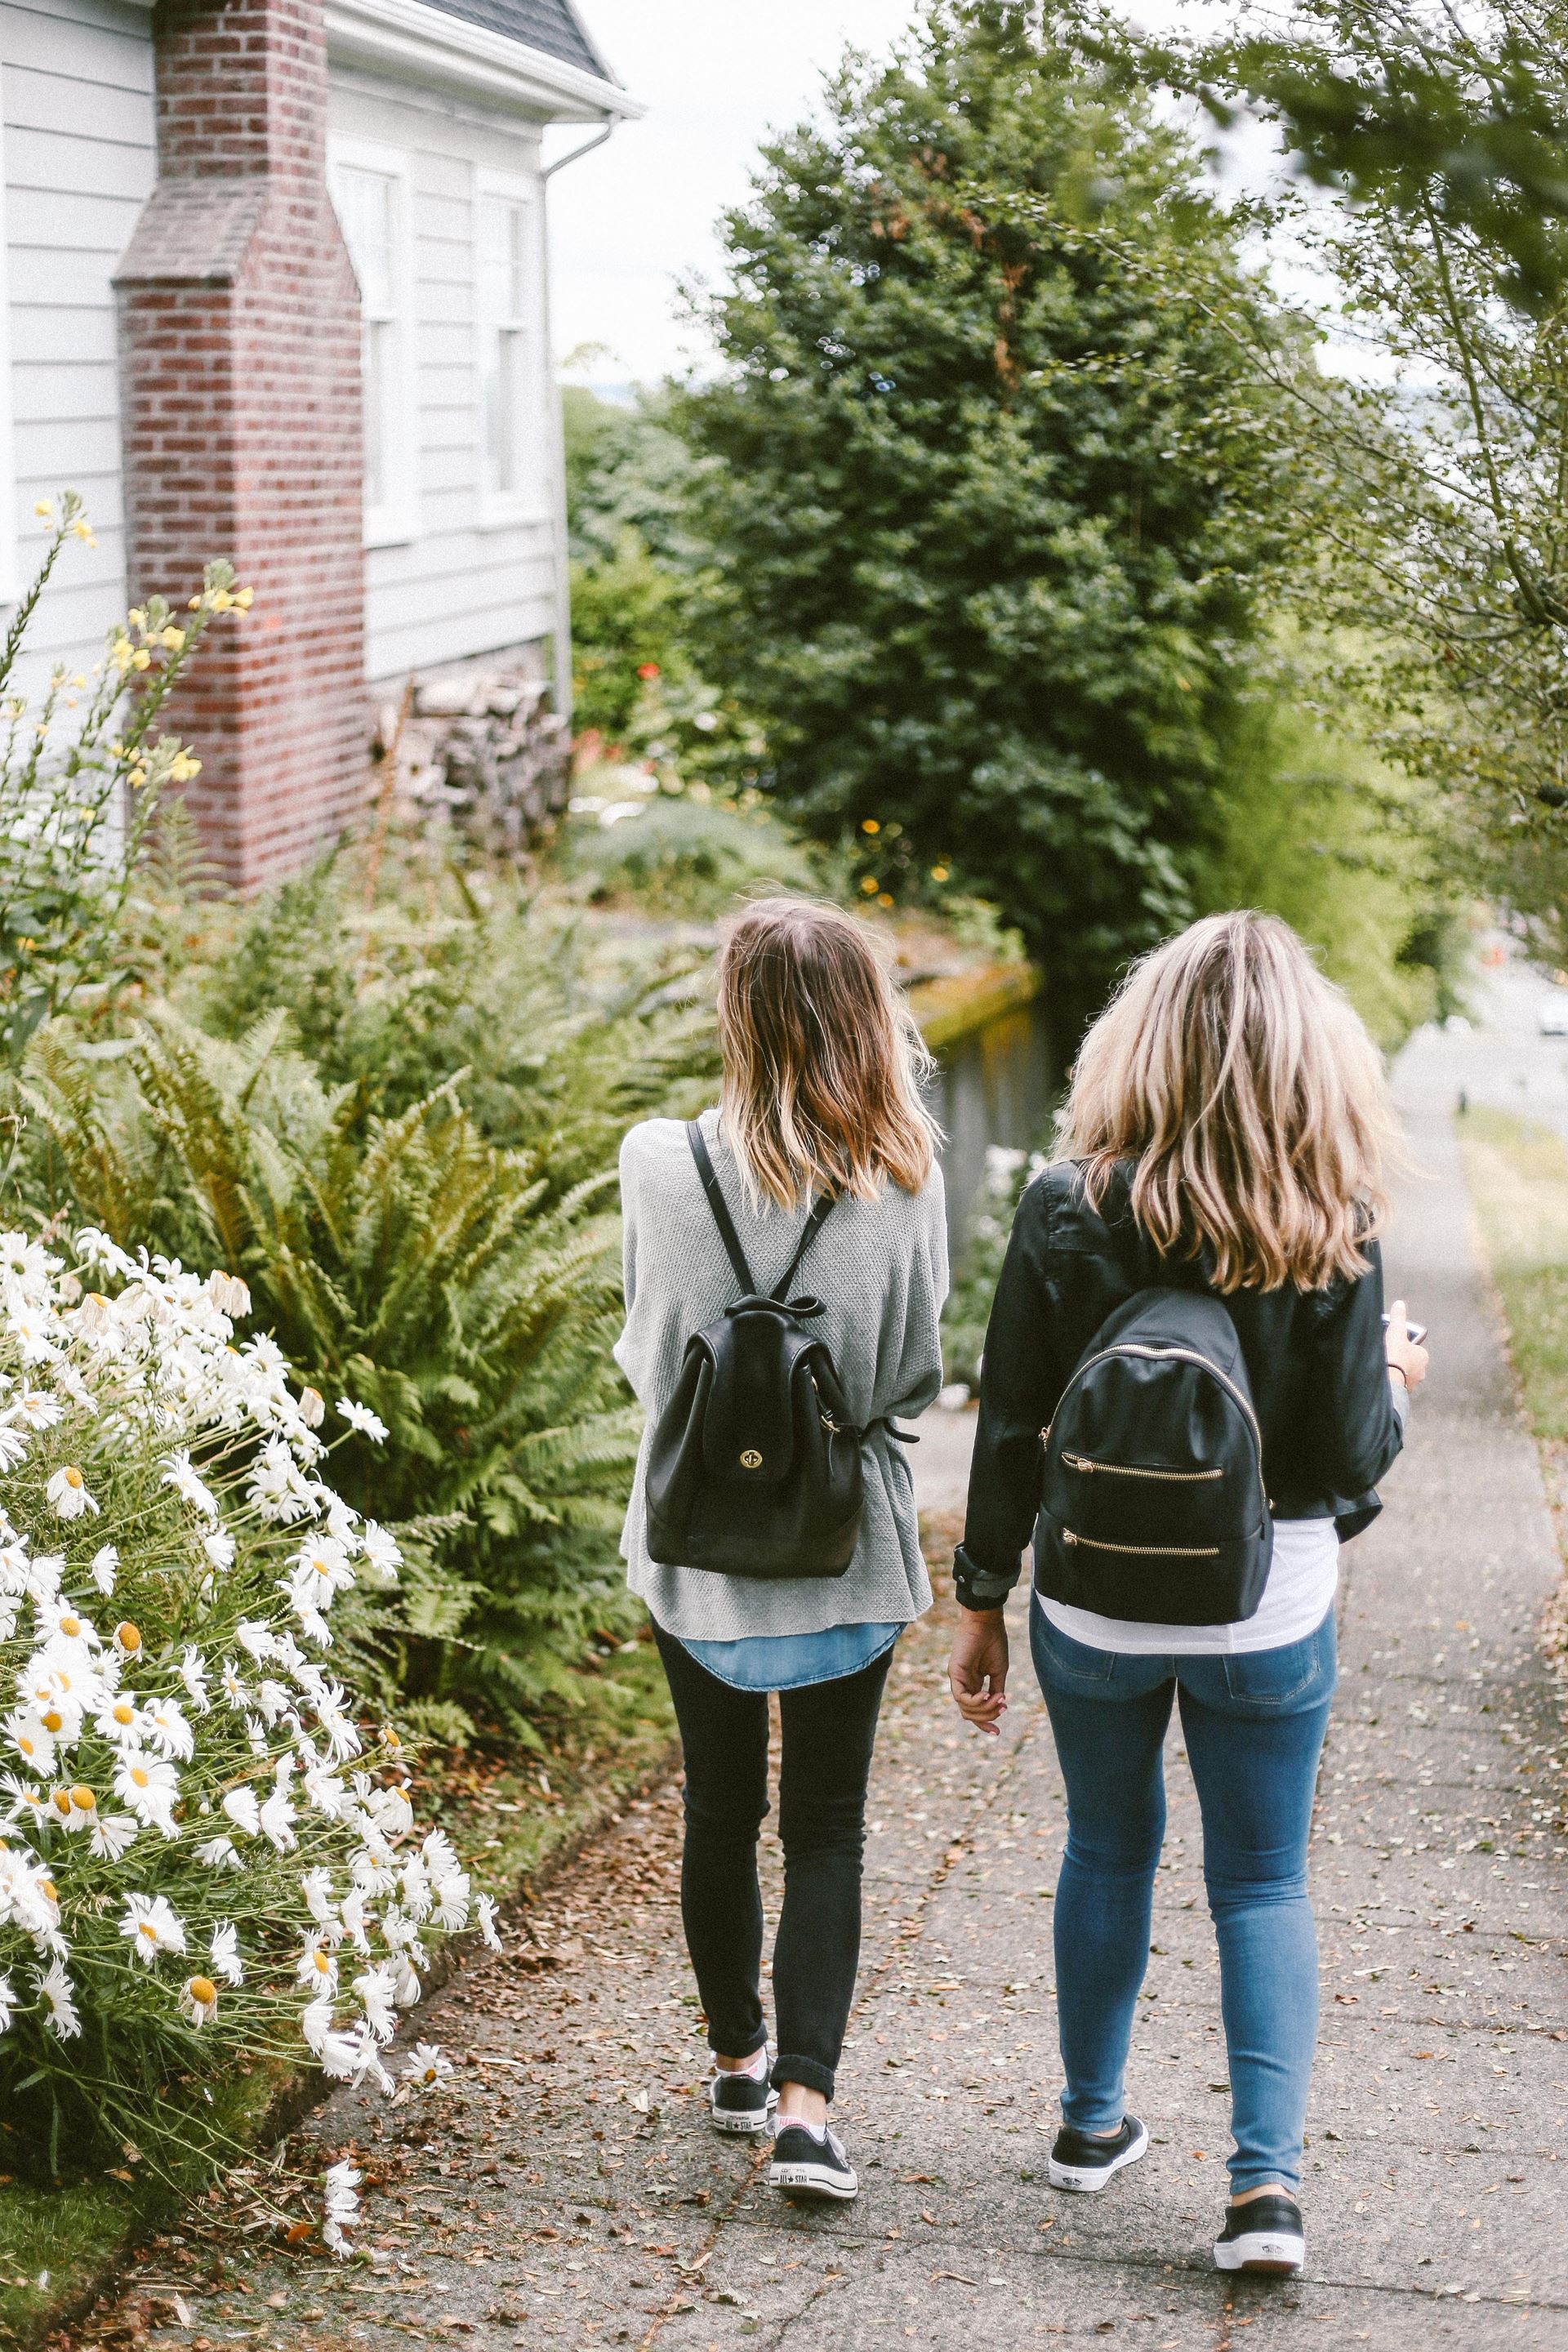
{"x": 1303, "y": 1578}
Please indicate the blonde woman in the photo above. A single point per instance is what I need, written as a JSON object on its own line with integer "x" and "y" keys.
{"x": 821, "y": 1070}
{"x": 1226, "y": 1132}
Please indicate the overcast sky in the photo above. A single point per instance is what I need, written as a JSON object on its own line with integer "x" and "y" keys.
{"x": 639, "y": 213}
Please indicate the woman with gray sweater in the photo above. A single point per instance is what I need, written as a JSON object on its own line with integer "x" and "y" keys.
{"x": 820, "y": 1098}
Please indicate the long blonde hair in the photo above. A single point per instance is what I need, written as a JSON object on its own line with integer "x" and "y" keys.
{"x": 821, "y": 1055}
{"x": 1253, "y": 1103}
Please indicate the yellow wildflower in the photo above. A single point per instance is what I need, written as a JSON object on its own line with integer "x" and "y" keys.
{"x": 181, "y": 768}
{"x": 172, "y": 638}
{"x": 136, "y": 618}
{"x": 869, "y": 885}
{"x": 220, "y": 600}
{"x": 244, "y": 598}
{"x": 141, "y": 658}
{"x": 81, "y": 529}
{"x": 44, "y": 509}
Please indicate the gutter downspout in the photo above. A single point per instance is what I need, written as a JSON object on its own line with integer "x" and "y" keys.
{"x": 561, "y": 642}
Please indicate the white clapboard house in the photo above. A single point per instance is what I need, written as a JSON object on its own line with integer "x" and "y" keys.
{"x": 372, "y": 434}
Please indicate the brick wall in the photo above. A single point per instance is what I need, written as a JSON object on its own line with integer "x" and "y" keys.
{"x": 241, "y": 399}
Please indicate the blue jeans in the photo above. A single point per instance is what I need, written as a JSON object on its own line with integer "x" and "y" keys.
{"x": 1254, "y": 1725}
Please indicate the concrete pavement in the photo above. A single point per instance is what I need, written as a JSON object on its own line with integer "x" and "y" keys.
{"x": 565, "y": 2192}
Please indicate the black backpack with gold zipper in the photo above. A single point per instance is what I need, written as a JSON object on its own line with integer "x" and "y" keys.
{"x": 754, "y": 1468}
{"x": 1154, "y": 1505}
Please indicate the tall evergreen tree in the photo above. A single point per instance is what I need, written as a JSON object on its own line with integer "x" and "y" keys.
{"x": 992, "y": 500}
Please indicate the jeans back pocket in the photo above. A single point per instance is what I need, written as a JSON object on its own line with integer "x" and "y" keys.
{"x": 1296, "y": 1674}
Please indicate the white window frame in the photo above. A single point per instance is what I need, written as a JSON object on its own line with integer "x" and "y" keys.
{"x": 530, "y": 500}
{"x": 10, "y": 521}
{"x": 392, "y": 522}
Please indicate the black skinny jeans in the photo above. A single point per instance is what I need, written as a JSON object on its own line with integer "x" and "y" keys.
{"x": 828, "y": 1732}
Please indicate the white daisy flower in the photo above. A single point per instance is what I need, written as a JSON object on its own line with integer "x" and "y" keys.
{"x": 311, "y": 1407}
{"x": 198, "y": 2001}
{"x": 354, "y": 1920}
{"x": 316, "y": 2023}
{"x": 451, "y": 1907}
{"x": 316, "y": 1886}
{"x": 13, "y": 1446}
{"x": 341, "y": 2206}
{"x": 219, "y": 1854}
{"x": 360, "y": 1416}
{"x": 7, "y": 2002}
{"x": 112, "y": 1835}
{"x": 178, "y": 1474}
{"x": 225, "y": 1951}
{"x": 56, "y": 1991}
{"x": 244, "y": 1809}
{"x": 149, "y": 1787}
{"x": 376, "y": 1993}
{"x": 427, "y": 2063}
{"x": 229, "y": 1293}
{"x": 34, "y": 1408}
{"x": 485, "y": 1905}
{"x": 219, "y": 1548}
{"x": 150, "y": 1926}
{"x": 368, "y": 2067}
{"x": 105, "y": 1565}
{"x": 316, "y": 1967}
{"x": 167, "y": 1728}
{"x": 277, "y": 1817}
{"x": 68, "y": 1494}
{"x": 193, "y": 1675}
{"x": 381, "y": 1552}
{"x": 32, "y": 1740}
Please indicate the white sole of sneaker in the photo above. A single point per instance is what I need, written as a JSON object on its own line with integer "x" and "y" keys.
{"x": 1085, "y": 2179}
{"x": 814, "y": 2180}
{"x": 1269, "y": 2250}
{"x": 750, "y": 2126}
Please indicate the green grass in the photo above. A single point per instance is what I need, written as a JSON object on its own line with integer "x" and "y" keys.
{"x": 1518, "y": 1184}
{"x": 514, "y": 1824}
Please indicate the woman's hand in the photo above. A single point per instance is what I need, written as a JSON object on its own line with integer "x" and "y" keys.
{"x": 1406, "y": 1358}
{"x": 977, "y": 1668}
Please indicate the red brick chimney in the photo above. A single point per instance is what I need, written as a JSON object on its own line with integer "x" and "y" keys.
{"x": 239, "y": 338}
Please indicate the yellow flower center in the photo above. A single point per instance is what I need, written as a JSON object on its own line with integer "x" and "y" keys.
{"x": 24, "y": 1743}
{"x": 73, "y": 1475}
{"x": 61, "y": 1800}
{"x": 123, "y": 1711}
{"x": 139, "y": 1779}
{"x": 71, "y": 1627}
{"x": 53, "y": 1721}
{"x": 145, "y": 1928}
{"x": 50, "y": 1890}
{"x": 323, "y": 1965}
{"x": 203, "y": 1991}
{"x": 83, "y": 1798}
{"x": 127, "y": 1636}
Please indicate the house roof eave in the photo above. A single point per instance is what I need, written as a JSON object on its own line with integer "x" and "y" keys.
{"x": 411, "y": 41}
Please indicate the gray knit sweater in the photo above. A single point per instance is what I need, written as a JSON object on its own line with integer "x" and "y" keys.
{"x": 880, "y": 1270}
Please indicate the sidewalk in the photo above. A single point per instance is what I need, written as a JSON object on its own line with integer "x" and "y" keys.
{"x": 564, "y": 2192}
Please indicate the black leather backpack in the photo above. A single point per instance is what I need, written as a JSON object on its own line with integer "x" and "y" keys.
{"x": 754, "y": 1469}
{"x": 1154, "y": 1505}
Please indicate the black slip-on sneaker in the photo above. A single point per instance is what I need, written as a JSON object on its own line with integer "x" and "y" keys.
{"x": 1077, "y": 2161}
{"x": 1264, "y": 2234}
{"x": 742, "y": 2103}
{"x": 809, "y": 2166}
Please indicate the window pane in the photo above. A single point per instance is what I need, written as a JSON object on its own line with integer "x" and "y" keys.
{"x": 377, "y": 356}
{"x": 503, "y": 261}
{"x": 369, "y": 212}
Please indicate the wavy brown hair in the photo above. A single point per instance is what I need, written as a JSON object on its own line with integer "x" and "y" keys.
{"x": 1252, "y": 1103}
{"x": 822, "y": 1059}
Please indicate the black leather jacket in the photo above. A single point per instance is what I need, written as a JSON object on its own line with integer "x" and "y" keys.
{"x": 1315, "y": 1358}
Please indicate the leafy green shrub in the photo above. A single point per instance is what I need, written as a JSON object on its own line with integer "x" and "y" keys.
{"x": 199, "y": 1838}
{"x": 687, "y": 858}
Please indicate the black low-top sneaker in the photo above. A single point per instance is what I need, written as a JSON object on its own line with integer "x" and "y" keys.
{"x": 809, "y": 2165}
{"x": 1264, "y": 2234}
{"x": 1079, "y": 2161}
{"x": 742, "y": 2102}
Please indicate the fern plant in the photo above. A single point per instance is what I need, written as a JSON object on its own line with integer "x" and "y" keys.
{"x": 446, "y": 1281}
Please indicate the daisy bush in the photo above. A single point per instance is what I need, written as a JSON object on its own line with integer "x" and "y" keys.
{"x": 206, "y": 1857}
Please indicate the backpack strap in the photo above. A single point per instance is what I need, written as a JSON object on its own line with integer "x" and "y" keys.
{"x": 722, "y": 1217}
{"x": 726, "y": 1224}
{"x": 813, "y": 1225}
